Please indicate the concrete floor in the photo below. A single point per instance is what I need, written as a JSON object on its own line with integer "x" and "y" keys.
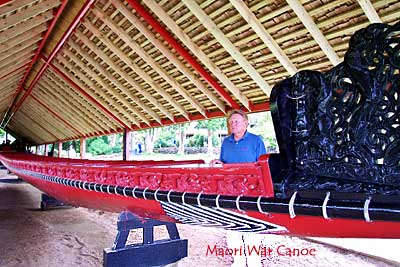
{"x": 77, "y": 237}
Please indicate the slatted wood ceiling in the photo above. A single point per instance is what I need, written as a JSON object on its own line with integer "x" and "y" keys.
{"x": 74, "y": 69}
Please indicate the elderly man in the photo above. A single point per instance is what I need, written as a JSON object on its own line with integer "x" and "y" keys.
{"x": 240, "y": 145}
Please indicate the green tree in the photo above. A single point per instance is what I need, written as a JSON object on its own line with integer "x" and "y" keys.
{"x": 261, "y": 124}
{"x": 182, "y": 137}
{"x": 73, "y": 144}
{"x": 197, "y": 140}
{"x": 98, "y": 146}
{"x": 212, "y": 126}
{"x": 167, "y": 136}
{"x": 150, "y": 136}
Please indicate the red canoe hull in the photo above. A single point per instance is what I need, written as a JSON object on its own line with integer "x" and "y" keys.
{"x": 169, "y": 209}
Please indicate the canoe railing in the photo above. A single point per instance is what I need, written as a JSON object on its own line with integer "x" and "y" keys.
{"x": 244, "y": 179}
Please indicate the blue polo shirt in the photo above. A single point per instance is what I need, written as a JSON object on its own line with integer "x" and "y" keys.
{"x": 247, "y": 149}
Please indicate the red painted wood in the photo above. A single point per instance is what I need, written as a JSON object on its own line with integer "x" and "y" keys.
{"x": 145, "y": 174}
{"x": 247, "y": 179}
{"x": 319, "y": 227}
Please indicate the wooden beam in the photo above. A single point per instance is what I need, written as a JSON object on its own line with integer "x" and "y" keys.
{"x": 168, "y": 54}
{"x": 369, "y": 11}
{"x": 228, "y": 45}
{"x": 160, "y": 29}
{"x": 259, "y": 29}
{"x": 155, "y": 66}
{"x": 56, "y": 115}
{"x": 98, "y": 103}
{"x": 89, "y": 115}
{"x": 60, "y": 148}
{"x": 27, "y": 13}
{"x": 115, "y": 67}
{"x": 46, "y": 120}
{"x": 82, "y": 148}
{"x": 61, "y": 102}
{"x": 24, "y": 31}
{"x": 126, "y": 144}
{"x": 142, "y": 74}
{"x": 316, "y": 33}
{"x": 10, "y": 113}
{"x": 99, "y": 90}
{"x": 186, "y": 40}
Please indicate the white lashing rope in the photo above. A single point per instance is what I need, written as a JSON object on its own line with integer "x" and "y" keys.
{"x": 259, "y": 205}
{"x": 291, "y": 206}
{"x": 133, "y": 192}
{"x": 366, "y": 207}
{"x": 198, "y": 199}
{"x": 238, "y": 203}
{"x": 144, "y": 193}
{"x": 217, "y": 201}
{"x": 155, "y": 194}
{"x": 168, "y": 196}
{"x": 183, "y": 198}
{"x": 324, "y": 211}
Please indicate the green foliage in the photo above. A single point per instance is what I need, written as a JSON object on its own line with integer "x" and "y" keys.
{"x": 213, "y": 124}
{"x": 215, "y": 140}
{"x": 99, "y": 147}
{"x": 116, "y": 149}
{"x": 197, "y": 140}
{"x": 170, "y": 136}
{"x": 75, "y": 144}
{"x": 167, "y": 137}
{"x": 261, "y": 124}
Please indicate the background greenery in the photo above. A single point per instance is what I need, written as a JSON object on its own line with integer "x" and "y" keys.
{"x": 203, "y": 136}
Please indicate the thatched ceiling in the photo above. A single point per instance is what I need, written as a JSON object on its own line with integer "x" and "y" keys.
{"x": 75, "y": 69}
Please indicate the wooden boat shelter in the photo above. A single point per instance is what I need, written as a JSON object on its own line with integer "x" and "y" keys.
{"x": 78, "y": 69}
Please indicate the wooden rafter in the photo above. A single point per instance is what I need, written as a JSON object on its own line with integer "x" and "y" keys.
{"x": 171, "y": 24}
{"x": 27, "y": 13}
{"x": 257, "y": 26}
{"x": 130, "y": 80}
{"x": 141, "y": 53}
{"x": 129, "y": 65}
{"x": 108, "y": 76}
{"x": 228, "y": 45}
{"x": 369, "y": 11}
{"x": 308, "y": 22}
{"x": 173, "y": 59}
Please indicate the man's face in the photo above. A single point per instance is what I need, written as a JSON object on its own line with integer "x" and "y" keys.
{"x": 237, "y": 124}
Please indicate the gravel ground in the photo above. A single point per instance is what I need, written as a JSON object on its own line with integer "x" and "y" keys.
{"x": 77, "y": 237}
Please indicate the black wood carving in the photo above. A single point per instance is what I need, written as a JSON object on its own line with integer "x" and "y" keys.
{"x": 341, "y": 129}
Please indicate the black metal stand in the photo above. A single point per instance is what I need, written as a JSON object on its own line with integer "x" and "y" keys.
{"x": 148, "y": 253}
{"x": 49, "y": 202}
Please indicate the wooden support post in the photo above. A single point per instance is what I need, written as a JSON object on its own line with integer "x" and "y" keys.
{"x": 83, "y": 148}
{"x": 126, "y": 144}
{"x": 59, "y": 149}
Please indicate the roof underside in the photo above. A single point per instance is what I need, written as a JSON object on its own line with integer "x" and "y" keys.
{"x": 76, "y": 69}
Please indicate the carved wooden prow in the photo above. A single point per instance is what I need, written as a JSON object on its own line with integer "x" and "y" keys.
{"x": 341, "y": 129}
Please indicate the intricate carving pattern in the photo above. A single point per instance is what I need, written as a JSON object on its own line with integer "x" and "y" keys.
{"x": 246, "y": 180}
{"x": 345, "y": 124}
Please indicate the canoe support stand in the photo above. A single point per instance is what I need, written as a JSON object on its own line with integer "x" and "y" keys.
{"x": 48, "y": 202}
{"x": 148, "y": 253}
